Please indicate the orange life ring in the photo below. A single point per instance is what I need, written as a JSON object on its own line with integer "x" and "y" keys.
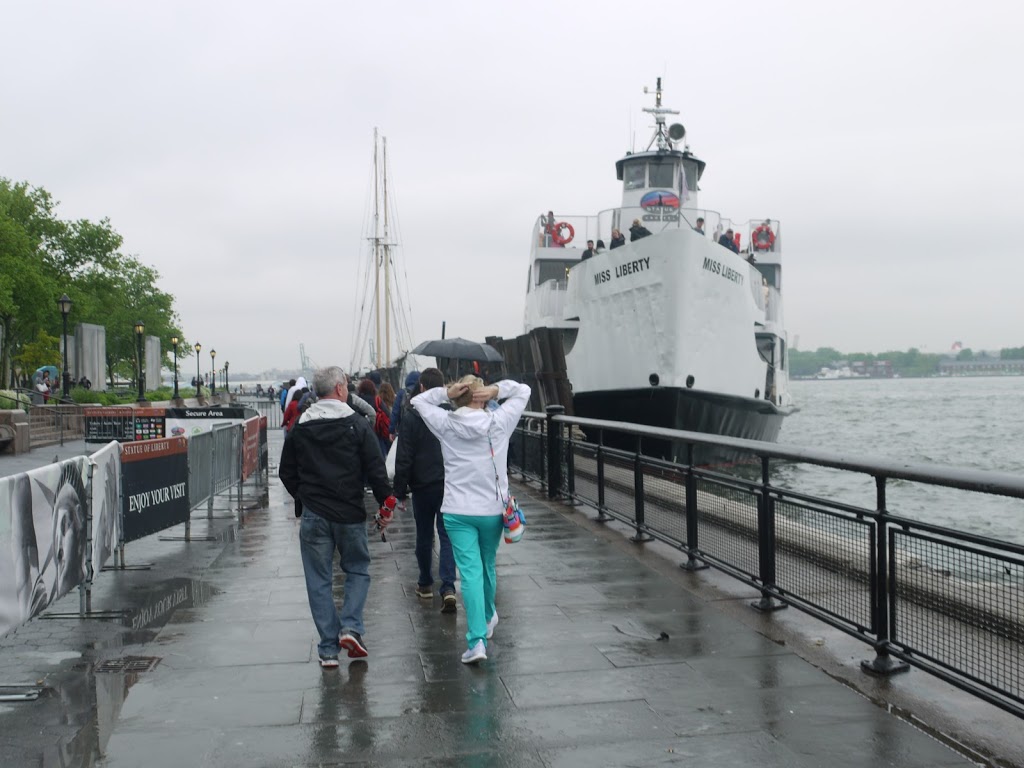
{"x": 556, "y": 233}
{"x": 763, "y": 245}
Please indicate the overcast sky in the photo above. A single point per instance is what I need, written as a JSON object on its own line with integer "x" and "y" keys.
{"x": 231, "y": 145}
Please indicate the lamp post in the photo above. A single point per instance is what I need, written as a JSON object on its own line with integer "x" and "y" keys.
{"x": 65, "y": 309}
{"x": 213, "y": 373}
{"x": 140, "y": 328}
{"x": 199, "y": 376}
{"x": 227, "y": 387}
{"x": 174, "y": 346}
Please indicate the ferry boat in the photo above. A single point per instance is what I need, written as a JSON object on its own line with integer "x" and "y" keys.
{"x": 671, "y": 327}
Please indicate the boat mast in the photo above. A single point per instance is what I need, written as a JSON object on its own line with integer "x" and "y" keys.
{"x": 376, "y": 249}
{"x": 387, "y": 260}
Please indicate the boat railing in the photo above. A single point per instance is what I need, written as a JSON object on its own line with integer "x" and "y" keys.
{"x": 939, "y": 599}
{"x": 655, "y": 220}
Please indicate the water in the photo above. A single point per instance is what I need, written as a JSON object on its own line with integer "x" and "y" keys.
{"x": 975, "y": 423}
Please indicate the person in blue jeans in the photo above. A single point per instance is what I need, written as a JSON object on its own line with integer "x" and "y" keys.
{"x": 325, "y": 456}
{"x": 419, "y": 466}
{"x": 474, "y": 443}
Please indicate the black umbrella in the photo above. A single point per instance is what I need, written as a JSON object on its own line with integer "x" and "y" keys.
{"x": 459, "y": 349}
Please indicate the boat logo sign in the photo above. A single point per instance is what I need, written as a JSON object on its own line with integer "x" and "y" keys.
{"x": 660, "y": 205}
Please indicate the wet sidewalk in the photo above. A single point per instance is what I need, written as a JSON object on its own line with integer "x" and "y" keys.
{"x": 600, "y": 659}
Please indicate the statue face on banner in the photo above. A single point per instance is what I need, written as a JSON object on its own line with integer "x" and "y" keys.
{"x": 69, "y": 531}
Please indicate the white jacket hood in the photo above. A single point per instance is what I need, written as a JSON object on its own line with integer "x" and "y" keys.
{"x": 326, "y": 409}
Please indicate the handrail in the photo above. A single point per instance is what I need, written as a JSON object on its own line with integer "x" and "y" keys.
{"x": 987, "y": 481}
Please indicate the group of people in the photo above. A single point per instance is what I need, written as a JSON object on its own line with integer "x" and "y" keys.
{"x": 450, "y": 457}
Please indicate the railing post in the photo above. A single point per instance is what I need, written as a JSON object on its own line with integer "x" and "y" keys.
{"x": 883, "y": 664}
{"x": 638, "y": 496}
{"x": 766, "y": 543}
{"x": 554, "y": 458}
{"x": 692, "y": 563}
{"x": 601, "y": 516}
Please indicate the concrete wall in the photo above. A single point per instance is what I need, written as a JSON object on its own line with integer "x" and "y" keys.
{"x": 90, "y": 354}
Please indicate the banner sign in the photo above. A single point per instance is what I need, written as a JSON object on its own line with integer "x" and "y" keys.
{"x": 124, "y": 424}
{"x": 250, "y": 446}
{"x": 42, "y": 539}
{"x": 154, "y": 486}
{"x": 185, "y": 422}
{"x": 106, "y": 504}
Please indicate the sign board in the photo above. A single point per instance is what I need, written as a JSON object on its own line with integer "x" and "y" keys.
{"x": 154, "y": 486}
{"x": 123, "y": 424}
{"x": 185, "y": 422}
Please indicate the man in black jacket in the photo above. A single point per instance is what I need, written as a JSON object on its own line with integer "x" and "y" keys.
{"x": 325, "y": 456}
{"x": 419, "y": 466}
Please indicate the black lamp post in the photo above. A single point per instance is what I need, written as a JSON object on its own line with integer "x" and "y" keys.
{"x": 227, "y": 387}
{"x": 65, "y": 309}
{"x": 199, "y": 376}
{"x": 140, "y": 328}
{"x": 213, "y": 372}
{"x": 174, "y": 346}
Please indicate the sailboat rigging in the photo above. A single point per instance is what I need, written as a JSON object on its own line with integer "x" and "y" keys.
{"x": 383, "y": 322}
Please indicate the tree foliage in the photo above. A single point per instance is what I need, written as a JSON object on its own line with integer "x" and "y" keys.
{"x": 911, "y": 362}
{"x": 42, "y": 256}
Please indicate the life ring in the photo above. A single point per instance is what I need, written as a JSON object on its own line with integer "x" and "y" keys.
{"x": 556, "y": 233}
{"x": 765, "y": 243}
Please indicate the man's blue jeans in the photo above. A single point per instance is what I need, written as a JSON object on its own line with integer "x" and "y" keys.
{"x": 318, "y": 539}
{"x": 426, "y": 510}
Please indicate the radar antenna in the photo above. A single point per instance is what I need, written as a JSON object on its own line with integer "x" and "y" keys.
{"x": 664, "y": 138}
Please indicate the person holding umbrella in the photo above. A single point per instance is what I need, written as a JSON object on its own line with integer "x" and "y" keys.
{"x": 474, "y": 447}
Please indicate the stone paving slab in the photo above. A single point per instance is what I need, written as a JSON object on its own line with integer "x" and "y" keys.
{"x": 598, "y": 660}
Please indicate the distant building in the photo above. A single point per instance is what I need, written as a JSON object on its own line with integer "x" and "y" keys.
{"x": 981, "y": 366}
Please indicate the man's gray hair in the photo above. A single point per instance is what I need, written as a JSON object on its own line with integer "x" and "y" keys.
{"x": 326, "y": 379}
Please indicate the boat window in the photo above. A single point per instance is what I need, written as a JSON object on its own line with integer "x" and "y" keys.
{"x": 783, "y": 359}
{"x": 662, "y": 174}
{"x": 529, "y": 271}
{"x": 634, "y": 175}
{"x": 553, "y": 269}
{"x": 690, "y": 168}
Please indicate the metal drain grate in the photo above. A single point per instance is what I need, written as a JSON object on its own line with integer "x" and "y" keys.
{"x": 129, "y": 664}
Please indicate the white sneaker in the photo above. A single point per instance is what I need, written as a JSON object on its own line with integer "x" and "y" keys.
{"x": 491, "y": 625}
{"x": 477, "y": 653}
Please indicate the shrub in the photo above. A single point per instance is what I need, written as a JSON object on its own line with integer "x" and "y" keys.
{"x": 12, "y": 401}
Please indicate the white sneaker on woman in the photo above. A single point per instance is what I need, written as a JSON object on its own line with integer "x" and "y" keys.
{"x": 477, "y": 653}
{"x": 491, "y": 625}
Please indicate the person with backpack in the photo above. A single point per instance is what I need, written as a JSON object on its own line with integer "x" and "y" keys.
{"x": 419, "y": 467}
{"x": 402, "y": 401}
{"x": 382, "y": 404}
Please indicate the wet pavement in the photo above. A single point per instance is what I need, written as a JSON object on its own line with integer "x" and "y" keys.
{"x": 604, "y": 656}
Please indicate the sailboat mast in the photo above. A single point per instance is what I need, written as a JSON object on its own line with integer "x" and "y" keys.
{"x": 387, "y": 259}
{"x": 376, "y": 249}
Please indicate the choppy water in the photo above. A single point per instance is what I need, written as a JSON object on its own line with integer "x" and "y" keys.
{"x": 973, "y": 423}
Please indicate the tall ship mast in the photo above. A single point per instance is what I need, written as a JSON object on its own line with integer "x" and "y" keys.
{"x": 383, "y": 324}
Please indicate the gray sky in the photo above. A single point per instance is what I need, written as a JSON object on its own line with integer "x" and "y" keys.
{"x": 230, "y": 144}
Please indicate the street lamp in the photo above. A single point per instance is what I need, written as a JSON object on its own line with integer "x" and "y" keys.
{"x": 65, "y": 309}
{"x": 227, "y": 388}
{"x": 174, "y": 346}
{"x": 140, "y": 328}
{"x": 199, "y": 376}
{"x": 213, "y": 373}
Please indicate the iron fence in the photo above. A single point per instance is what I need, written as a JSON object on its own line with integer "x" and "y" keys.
{"x": 946, "y": 601}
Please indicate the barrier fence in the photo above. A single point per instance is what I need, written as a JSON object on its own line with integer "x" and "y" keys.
{"x": 948, "y": 602}
{"x": 60, "y": 524}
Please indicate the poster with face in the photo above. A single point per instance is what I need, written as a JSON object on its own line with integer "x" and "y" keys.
{"x": 42, "y": 539}
{"x": 106, "y": 504}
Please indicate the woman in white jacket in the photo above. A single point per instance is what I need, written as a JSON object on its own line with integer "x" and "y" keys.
{"x": 474, "y": 445}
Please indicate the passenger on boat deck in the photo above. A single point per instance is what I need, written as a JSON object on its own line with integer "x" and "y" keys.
{"x": 726, "y": 241}
{"x": 600, "y": 246}
{"x": 700, "y": 226}
{"x": 638, "y": 230}
{"x": 617, "y": 240}
{"x": 549, "y": 227}
{"x": 589, "y": 252}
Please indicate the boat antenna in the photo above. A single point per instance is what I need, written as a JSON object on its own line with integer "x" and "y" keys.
{"x": 661, "y": 136}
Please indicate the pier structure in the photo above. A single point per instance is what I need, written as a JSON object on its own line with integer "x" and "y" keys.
{"x": 606, "y": 653}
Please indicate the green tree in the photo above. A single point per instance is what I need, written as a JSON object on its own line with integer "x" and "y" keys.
{"x": 44, "y": 350}
{"x": 965, "y": 354}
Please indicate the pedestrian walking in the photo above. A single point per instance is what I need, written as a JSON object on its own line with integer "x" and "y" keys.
{"x": 474, "y": 445}
{"x": 325, "y": 457}
{"x": 419, "y": 467}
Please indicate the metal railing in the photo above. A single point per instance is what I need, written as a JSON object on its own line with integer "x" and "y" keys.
{"x": 264, "y": 406}
{"x": 945, "y": 601}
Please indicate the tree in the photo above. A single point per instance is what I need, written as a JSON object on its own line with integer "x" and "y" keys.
{"x": 45, "y": 350}
{"x": 965, "y": 354}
